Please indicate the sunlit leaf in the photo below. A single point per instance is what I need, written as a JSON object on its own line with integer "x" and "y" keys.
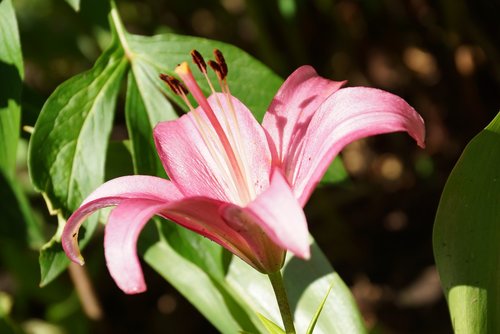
{"x": 315, "y": 318}
{"x": 467, "y": 234}
{"x": 68, "y": 146}
{"x": 209, "y": 295}
{"x": 271, "y": 327}
{"x": 307, "y": 283}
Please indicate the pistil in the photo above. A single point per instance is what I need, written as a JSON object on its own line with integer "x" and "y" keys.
{"x": 237, "y": 170}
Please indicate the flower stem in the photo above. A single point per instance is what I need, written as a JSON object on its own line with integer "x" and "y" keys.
{"x": 279, "y": 290}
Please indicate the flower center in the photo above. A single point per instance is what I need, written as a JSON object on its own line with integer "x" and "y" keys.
{"x": 227, "y": 148}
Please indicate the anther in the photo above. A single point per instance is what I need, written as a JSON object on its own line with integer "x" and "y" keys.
{"x": 219, "y": 57}
{"x": 175, "y": 85}
{"x": 199, "y": 61}
{"x": 216, "y": 67}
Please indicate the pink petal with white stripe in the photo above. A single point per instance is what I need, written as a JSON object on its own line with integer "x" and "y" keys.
{"x": 278, "y": 214}
{"x": 113, "y": 193}
{"x": 346, "y": 116}
{"x": 291, "y": 110}
{"x": 125, "y": 223}
{"x": 195, "y": 160}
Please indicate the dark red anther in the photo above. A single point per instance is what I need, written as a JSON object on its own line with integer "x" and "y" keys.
{"x": 219, "y": 57}
{"x": 215, "y": 66}
{"x": 175, "y": 85}
{"x": 199, "y": 61}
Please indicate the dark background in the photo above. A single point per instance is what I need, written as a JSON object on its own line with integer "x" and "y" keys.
{"x": 376, "y": 228}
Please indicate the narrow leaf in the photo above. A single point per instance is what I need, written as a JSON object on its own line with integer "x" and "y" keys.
{"x": 466, "y": 235}
{"x": 314, "y": 320}
{"x": 11, "y": 74}
{"x": 18, "y": 222}
{"x": 271, "y": 327}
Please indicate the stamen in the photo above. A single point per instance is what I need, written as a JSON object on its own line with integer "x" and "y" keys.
{"x": 199, "y": 61}
{"x": 186, "y": 75}
{"x": 219, "y": 57}
{"x": 220, "y": 69}
{"x": 175, "y": 85}
{"x": 215, "y": 66}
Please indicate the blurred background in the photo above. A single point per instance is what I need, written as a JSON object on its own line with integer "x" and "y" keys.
{"x": 376, "y": 228}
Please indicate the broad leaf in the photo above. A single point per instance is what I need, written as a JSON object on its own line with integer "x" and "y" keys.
{"x": 68, "y": 146}
{"x": 53, "y": 261}
{"x": 315, "y": 318}
{"x": 140, "y": 122}
{"x": 11, "y": 76}
{"x": 209, "y": 295}
{"x": 250, "y": 293}
{"x": 307, "y": 283}
{"x": 467, "y": 234}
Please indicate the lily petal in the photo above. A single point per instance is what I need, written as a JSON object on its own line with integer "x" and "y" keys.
{"x": 113, "y": 193}
{"x": 281, "y": 217}
{"x": 120, "y": 242}
{"x": 206, "y": 217}
{"x": 291, "y": 110}
{"x": 192, "y": 155}
{"x": 346, "y": 116}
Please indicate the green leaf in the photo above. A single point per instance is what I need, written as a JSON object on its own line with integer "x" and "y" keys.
{"x": 315, "y": 318}
{"x": 209, "y": 295}
{"x": 467, "y": 234}
{"x": 53, "y": 261}
{"x": 249, "y": 292}
{"x": 271, "y": 327}
{"x": 75, "y": 4}
{"x": 140, "y": 122}
{"x": 335, "y": 173}
{"x": 306, "y": 282}
{"x": 118, "y": 160}
{"x": 207, "y": 255}
{"x": 18, "y": 222}
{"x": 11, "y": 74}
{"x": 68, "y": 147}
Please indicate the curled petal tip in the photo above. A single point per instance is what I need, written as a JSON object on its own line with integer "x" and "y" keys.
{"x": 80, "y": 260}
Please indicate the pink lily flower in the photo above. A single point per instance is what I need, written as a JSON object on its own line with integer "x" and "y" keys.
{"x": 234, "y": 181}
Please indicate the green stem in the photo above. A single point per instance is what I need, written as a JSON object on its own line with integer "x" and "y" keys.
{"x": 279, "y": 290}
{"x": 120, "y": 29}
